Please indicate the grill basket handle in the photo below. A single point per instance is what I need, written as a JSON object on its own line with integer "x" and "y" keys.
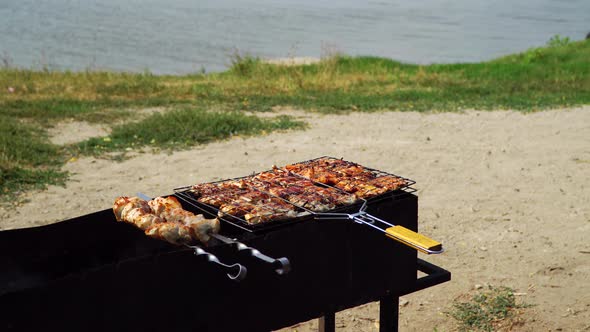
{"x": 415, "y": 240}
{"x": 401, "y": 234}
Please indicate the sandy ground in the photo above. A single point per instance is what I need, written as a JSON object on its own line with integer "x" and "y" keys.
{"x": 507, "y": 193}
{"x": 69, "y": 132}
{"x": 293, "y": 61}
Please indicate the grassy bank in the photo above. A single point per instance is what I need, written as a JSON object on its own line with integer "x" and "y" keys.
{"x": 30, "y": 101}
{"x": 29, "y": 161}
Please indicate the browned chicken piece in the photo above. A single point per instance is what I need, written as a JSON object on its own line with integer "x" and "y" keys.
{"x": 305, "y": 197}
{"x": 329, "y": 178}
{"x": 389, "y": 182}
{"x": 164, "y": 219}
{"x": 334, "y": 196}
{"x": 264, "y": 213}
{"x": 283, "y": 209}
{"x": 307, "y": 173}
{"x": 170, "y": 209}
{"x": 360, "y": 188}
{"x": 238, "y": 199}
{"x": 352, "y": 171}
{"x": 300, "y": 191}
{"x": 321, "y": 164}
{"x": 172, "y": 232}
{"x": 235, "y": 208}
{"x": 347, "y": 176}
{"x": 298, "y": 184}
{"x": 136, "y": 211}
{"x": 254, "y": 197}
{"x": 260, "y": 211}
{"x": 206, "y": 189}
{"x": 217, "y": 194}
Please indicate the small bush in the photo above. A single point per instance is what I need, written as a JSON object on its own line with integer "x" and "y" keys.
{"x": 558, "y": 41}
{"x": 243, "y": 64}
{"x": 487, "y": 310}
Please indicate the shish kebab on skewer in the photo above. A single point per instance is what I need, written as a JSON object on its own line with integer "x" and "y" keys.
{"x": 164, "y": 218}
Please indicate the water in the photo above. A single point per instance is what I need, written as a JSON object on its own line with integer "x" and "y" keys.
{"x": 181, "y": 36}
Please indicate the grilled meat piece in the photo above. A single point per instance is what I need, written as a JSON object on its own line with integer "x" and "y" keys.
{"x": 136, "y": 211}
{"x": 361, "y": 188}
{"x": 236, "y": 198}
{"x": 164, "y": 219}
{"x": 270, "y": 212}
{"x": 258, "y": 211}
{"x": 264, "y": 196}
{"x": 170, "y": 209}
{"x": 235, "y": 208}
{"x": 388, "y": 182}
{"x": 217, "y": 194}
{"x": 173, "y": 232}
{"x": 300, "y": 191}
{"x": 347, "y": 176}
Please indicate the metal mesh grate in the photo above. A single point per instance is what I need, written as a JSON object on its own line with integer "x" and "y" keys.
{"x": 303, "y": 212}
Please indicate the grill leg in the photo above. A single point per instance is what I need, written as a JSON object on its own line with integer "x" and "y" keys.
{"x": 388, "y": 314}
{"x": 328, "y": 322}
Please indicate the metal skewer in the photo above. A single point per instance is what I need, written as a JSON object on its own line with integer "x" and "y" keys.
{"x": 281, "y": 265}
{"x": 235, "y": 271}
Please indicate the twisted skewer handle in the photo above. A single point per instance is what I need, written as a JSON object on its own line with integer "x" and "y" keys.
{"x": 235, "y": 271}
{"x": 281, "y": 265}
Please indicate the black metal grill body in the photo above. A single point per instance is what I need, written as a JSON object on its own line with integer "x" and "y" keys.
{"x": 92, "y": 273}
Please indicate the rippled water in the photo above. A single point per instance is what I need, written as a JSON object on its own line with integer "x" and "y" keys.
{"x": 180, "y": 36}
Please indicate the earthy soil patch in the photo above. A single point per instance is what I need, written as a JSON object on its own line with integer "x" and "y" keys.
{"x": 506, "y": 192}
{"x": 69, "y": 132}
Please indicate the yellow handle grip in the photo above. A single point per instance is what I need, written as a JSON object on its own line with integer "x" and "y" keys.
{"x": 415, "y": 240}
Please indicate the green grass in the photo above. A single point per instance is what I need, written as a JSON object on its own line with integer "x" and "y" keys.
{"x": 184, "y": 128}
{"x": 487, "y": 310}
{"x": 552, "y": 76}
{"x": 27, "y": 161}
{"x": 17, "y": 180}
{"x": 556, "y": 75}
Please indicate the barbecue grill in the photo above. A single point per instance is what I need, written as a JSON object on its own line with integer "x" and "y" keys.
{"x": 93, "y": 273}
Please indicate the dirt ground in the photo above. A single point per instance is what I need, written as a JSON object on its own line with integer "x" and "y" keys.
{"x": 507, "y": 193}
